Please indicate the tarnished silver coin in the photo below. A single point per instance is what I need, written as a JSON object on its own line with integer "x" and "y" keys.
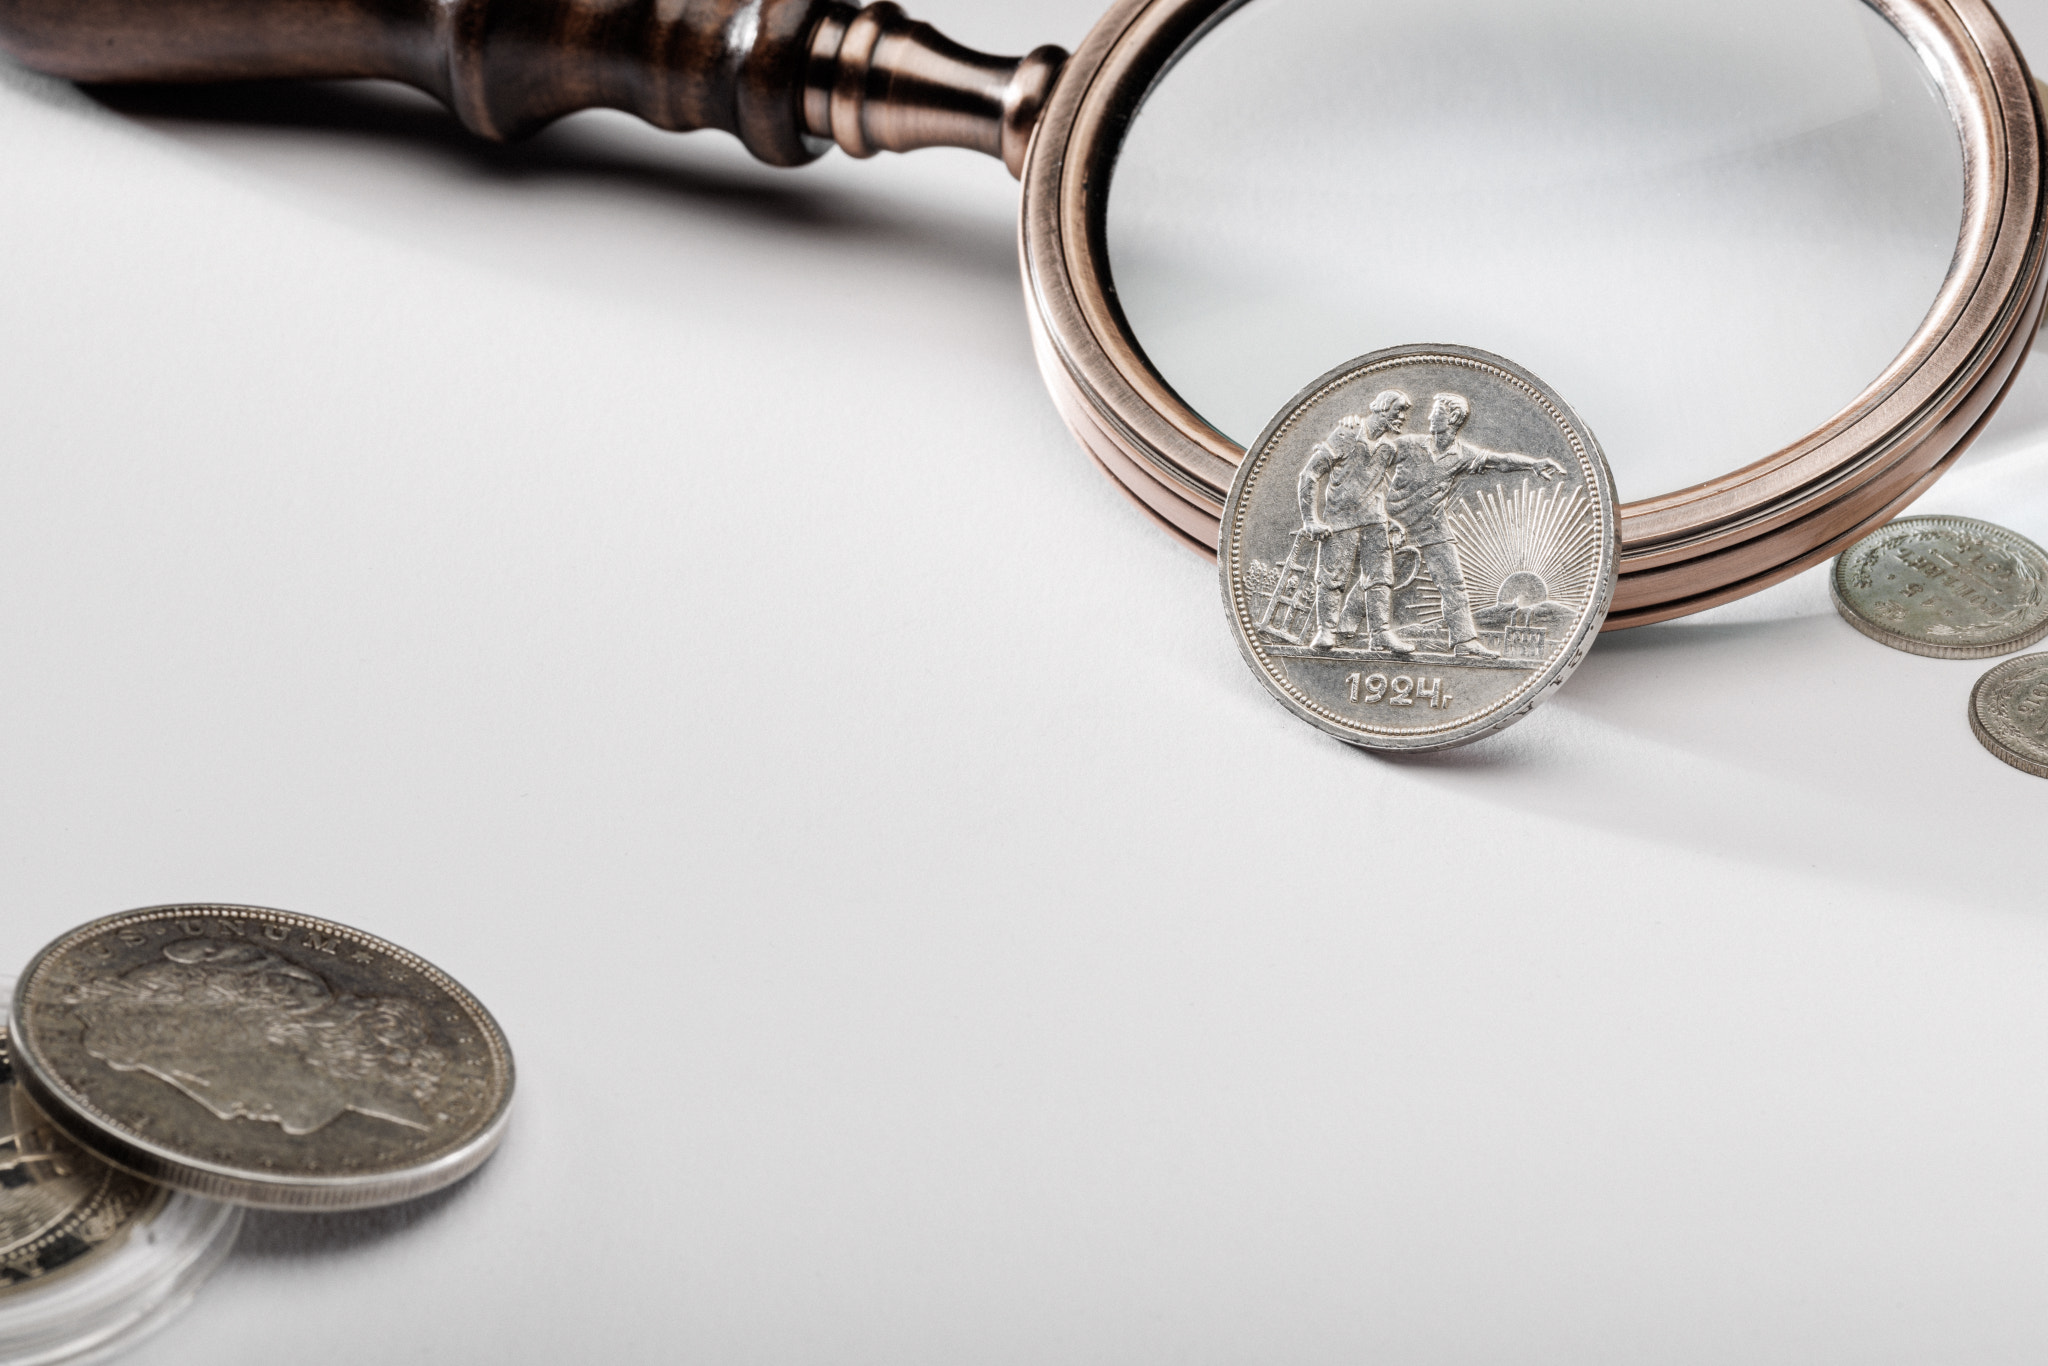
{"x": 261, "y": 1057}
{"x": 1947, "y": 587}
{"x": 2009, "y": 713}
{"x": 1419, "y": 548}
{"x": 60, "y": 1207}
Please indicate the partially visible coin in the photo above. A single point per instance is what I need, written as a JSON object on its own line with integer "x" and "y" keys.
{"x": 2009, "y": 713}
{"x": 1946, "y": 587}
{"x": 1419, "y": 548}
{"x": 60, "y": 1207}
{"x": 261, "y": 1057}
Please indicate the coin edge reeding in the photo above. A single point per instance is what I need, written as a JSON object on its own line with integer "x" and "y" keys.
{"x": 111, "y": 1141}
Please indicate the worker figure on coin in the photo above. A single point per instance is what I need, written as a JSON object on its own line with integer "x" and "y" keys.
{"x": 1344, "y": 510}
{"x": 1425, "y": 470}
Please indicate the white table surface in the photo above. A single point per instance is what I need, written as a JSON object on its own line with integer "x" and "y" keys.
{"x": 659, "y": 590}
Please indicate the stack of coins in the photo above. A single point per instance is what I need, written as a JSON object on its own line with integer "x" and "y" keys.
{"x": 163, "y": 1068}
{"x": 1958, "y": 588}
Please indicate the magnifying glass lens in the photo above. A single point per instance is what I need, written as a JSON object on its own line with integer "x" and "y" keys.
{"x": 1711, "y": 226}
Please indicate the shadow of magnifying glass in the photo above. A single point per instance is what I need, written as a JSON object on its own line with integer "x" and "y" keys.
{"x": 609, "y": 154}
{"x": 396, "y": 116}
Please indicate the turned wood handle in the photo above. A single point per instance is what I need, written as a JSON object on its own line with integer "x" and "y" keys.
{"x": 788, "y": 77}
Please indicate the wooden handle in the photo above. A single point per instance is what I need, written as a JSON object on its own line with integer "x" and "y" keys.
{"x": 506, "y": 67}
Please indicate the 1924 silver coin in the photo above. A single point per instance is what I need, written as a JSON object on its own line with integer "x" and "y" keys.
{"x": 2009, "y": 713}
{"x": 1419, "y": 548}
{"x": 1946, "y": 587}
{"x": 60, "y": 1207}
{"x": 261, "y": 1057}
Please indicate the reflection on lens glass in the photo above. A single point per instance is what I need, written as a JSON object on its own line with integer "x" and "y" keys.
{"x": 1710, "y": 227}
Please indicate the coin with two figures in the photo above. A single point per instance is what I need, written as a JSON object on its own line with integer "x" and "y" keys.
{"x": 1419, "y": 548}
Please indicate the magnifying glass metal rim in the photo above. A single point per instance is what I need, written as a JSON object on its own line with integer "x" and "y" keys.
{"x": 791, "y": 77}
{"x": 1682, "y": 552}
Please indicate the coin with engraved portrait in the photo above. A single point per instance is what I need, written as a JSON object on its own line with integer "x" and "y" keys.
{"x": 1419, "y": 548}
{"x": 1947, "y": 587}
{"x": 60, "y": 1207}
{"x": 261, "y": 1057}
{"x": 2009, "y": 713}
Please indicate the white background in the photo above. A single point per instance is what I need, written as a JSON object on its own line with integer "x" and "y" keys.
{"x": 659, "y": 590}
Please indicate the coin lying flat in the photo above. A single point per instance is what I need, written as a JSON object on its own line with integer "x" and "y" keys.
{"x": 1946, "y": 587}
{"x": 2009, "y": 713}
{"x": 261, "y": 1057}
{"x": 1419, "y": 548}
{"x": 60, "y": 1207}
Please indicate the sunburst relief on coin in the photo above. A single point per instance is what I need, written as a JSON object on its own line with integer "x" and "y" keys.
{"x": 261, "y": 1057}
{"x": 1419, "y": 548}
{"x": 1946, "y": 587}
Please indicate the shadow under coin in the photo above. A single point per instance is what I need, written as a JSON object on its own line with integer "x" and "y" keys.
{"x": 271, "y": 1235}
{"x": 1787, "y": 742}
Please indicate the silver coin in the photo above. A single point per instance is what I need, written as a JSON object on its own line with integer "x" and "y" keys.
{"x": 261, "y": 1057}
{"x": 60, "y": 1207}
{"x": 1418, "y": 585}
{"x": 2009, "y": 713}
{"x": 1946, "y": 587}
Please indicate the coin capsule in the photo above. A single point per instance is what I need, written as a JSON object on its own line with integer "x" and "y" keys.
{"x": 60, "y": 1207}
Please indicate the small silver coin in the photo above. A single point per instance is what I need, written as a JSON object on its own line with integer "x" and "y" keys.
{"x": 1945, "y": 587}
{"x": 60, "y": 1207}
{"x": 1419, "y": 548}
{"x": 2009, "y": 713}
{"x": 261, "y": 1057}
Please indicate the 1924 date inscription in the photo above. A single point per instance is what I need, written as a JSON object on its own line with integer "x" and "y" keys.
{"x": 1419, "y": 548}
{"x": 1399, "y": 691}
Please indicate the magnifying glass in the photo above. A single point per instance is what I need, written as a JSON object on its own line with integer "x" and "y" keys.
{"x": 1221, "y": 197}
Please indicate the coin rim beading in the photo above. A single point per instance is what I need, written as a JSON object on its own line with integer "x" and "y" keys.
{"x": 1986, "y": 732}
{"x": 108, "y": 1138}
{"x": 2020, "y": 545}
{"x": 1593, "y": 469}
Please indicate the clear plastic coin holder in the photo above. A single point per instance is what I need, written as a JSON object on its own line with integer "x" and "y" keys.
{"x": 119, "y": 1294}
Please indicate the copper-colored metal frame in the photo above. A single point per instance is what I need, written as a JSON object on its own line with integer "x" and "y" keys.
{"x": 792, "y": 76}
{"x": 1682, "y": 552}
